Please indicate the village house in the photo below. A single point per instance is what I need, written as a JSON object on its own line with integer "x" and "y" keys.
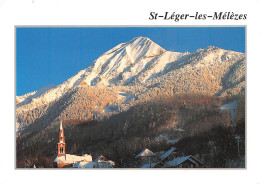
{"x": 69, "y": 160}
{"x": 99, "y": 162}
{"x": 168, "y": 159}
{"x": 168, "y": 155}
{"x": 148, "y": 159}
{"x": 183, "y": 162}
{"x": 145, "y": 157}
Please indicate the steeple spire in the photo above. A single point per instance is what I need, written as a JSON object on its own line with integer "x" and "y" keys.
{"x": 61, "y": 125}
{"x": 61, "y": 144}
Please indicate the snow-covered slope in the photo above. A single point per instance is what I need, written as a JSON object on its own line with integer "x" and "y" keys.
{"x": 232, "y": 107}
{"x": 27, "y": 98}
{"x": 123, "y": 63}
{"x": 120, "y": 65}
{"x": 137, "y": 62}
{"x": 138, "y": 69}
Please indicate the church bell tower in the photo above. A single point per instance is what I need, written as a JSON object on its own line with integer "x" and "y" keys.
{"x": 61, "y": 144}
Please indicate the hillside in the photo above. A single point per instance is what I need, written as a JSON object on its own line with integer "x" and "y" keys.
{"x": 136, "y": 90}
{"x": 156, "y": 125}
{"x": 131, "y": 73}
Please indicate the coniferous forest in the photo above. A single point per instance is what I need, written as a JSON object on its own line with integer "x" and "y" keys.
{"x": 196, "y": 121}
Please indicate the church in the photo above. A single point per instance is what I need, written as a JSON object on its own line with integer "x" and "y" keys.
{"x": 67, "y": 160}
{"x": 85, "y": 161}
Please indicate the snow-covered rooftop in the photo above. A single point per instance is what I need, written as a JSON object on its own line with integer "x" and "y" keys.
{"x": 165, "y": 155}
{"x": 84, "y": 164}
{"x": 73, "y": 158}
{"x": 159, "y": 154}
{"x": 179, "y": 160}
{"x": 176, "y": 161}
{"x": 149, "y": 165}
{"x": 102, "y": 159}
{"x": 145, "y": 153}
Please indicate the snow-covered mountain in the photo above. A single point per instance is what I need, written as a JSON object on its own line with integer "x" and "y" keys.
{"x": 27, "y": 98}
{"x": 118, "y": 66}
{"x": 130, "y": 73}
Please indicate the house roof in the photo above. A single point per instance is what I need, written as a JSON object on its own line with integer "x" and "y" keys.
{"x": 194, "y": 158}
{"x": 102, "y": 159}
{"x": 148, "y": 165}
{"x": 160, "y": 153}
{"x": 145, "y": 153}
{"x": 84, "y": 164}
{"x": 72, "y": 158}
{"x": 167, "y": 153}
{"x": 178, "y": 161}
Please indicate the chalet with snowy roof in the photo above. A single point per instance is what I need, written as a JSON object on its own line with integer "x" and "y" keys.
{"x": 84, "y": 164}
{"x": 145, "y": 153}
{"x": 183, "y": 162}
{"x": 168, "y": 159}
{"x": 147, "y": 157}
{"x": 99, "y": 162}
{"x": 168, "y": 154}
{"x": 70, "y": 160}
{"x": 67, "y": 160}
{"x": 102, "y": 160}
{"x": 156, "y": 159}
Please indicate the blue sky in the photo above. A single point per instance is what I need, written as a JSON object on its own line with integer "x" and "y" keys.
{"x": 52, "y": 55}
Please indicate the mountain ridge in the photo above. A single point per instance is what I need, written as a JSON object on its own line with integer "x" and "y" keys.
{"x": 136, "y": 71}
